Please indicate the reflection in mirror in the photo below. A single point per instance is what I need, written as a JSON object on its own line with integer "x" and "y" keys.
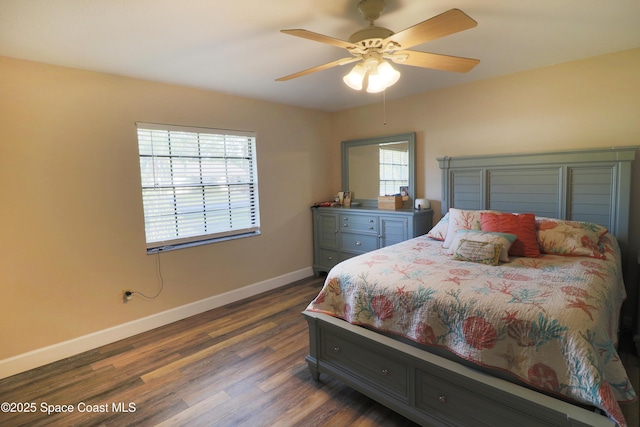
{"x": 378, "y": 166}
{"x": 394, "y": 167}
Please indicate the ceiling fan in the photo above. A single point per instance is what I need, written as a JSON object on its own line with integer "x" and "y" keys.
{"x": 373, "y": 46}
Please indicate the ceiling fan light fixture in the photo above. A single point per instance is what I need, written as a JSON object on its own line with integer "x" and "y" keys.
{"x": 355, "y": 77}
{"x": 372, "y": 45}
{"x": 384, "y": 77}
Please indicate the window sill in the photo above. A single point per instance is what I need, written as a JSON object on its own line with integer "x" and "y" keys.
{"x": 170, "y": 247}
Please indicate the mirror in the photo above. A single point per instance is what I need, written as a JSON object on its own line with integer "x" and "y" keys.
{"x": 379, "y": 166}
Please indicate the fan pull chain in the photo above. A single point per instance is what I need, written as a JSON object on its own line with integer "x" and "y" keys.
{"x": 384, "y": 107}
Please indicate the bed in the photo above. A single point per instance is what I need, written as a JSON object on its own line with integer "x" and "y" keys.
{"x": 507, "y": 313}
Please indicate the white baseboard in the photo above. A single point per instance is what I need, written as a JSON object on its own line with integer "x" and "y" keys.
{"x": 42, "y": 356}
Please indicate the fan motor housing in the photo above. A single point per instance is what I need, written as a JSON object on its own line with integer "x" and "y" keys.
{"x": 371, "y": 32}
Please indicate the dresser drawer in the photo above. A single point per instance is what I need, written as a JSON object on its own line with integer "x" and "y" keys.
{"x": 346, "y": 255}
{"x": 327, "y": 257}
{"x": 358, "y": 243}
{"x": 359, "y": 223}
{"x": 369, "y": 364}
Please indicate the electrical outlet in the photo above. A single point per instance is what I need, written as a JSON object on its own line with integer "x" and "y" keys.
{"x": 126, "y": 296}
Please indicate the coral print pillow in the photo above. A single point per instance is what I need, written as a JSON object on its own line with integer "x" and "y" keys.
{"x": 439, "y": 231}
{"x": 570, "y": 238}
{"x": 460, "y": 219}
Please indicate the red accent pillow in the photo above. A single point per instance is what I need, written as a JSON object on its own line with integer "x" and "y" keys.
{"x": 522, "y": 225}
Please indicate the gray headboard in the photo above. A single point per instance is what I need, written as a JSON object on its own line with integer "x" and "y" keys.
{"x": 584, "y": 185}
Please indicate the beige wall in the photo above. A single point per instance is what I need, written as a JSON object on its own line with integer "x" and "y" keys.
{"x": 591, "y": 103}
{"x": 72, "y": 224}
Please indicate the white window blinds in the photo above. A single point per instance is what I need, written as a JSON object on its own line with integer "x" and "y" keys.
{"x": 394, "y": 168}
{"x": 198, "y": 185}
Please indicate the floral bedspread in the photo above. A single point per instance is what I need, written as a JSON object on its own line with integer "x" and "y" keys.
{"x": 550, "y": 321}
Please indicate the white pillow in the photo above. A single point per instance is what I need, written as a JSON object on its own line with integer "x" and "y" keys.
{"x": 439, "y": 231}
{"x": 504, "y": 239}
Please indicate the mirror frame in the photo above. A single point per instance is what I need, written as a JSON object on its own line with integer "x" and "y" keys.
{"x": 346, "y": 145}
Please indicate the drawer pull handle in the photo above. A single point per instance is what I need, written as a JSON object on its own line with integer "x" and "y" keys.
{"x": 371, "y": 221}
{"x": 371, "y": 228}
{"x": 346, "y": 225}
{"x": 385, "y": 372}
{"x": 358, "y": 243}
{"x": 336, "y": 349}
{"x": 329, "y": 258}
{"x": 442, "y": 399}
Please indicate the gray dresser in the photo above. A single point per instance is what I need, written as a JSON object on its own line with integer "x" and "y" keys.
{"x": 342, "y": 233}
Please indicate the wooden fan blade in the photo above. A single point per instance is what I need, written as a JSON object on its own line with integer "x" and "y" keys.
{"x": 319, "y": 38}
{"x": 435, "y": 61}
{"x": 446, "y": 23}
{"x": 342, "y": 61}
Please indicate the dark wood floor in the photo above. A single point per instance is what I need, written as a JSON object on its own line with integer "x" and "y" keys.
{"x": 242, "y": 364}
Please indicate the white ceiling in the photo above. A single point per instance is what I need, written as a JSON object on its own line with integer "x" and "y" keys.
{"x": 235, "y": 46}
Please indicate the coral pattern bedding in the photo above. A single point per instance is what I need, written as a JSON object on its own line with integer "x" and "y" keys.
{"x": 550, "y": 321}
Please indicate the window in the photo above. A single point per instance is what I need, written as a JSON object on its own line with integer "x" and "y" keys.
{"x": 198, "y": 185}
{"x": 394, "y": 170}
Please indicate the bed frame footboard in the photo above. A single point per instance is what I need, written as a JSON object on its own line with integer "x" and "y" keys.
{"x": 429, "y": 389}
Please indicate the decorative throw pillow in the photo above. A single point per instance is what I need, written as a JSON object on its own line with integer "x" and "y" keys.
{"x": 480, "y": 252}
{"x": 439, "y": 231}
{"x": 503, "y": 239}
{"x": 570, "y": 238}
{"x": 461, "y": 219}
{"x": 522, "y": 225}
